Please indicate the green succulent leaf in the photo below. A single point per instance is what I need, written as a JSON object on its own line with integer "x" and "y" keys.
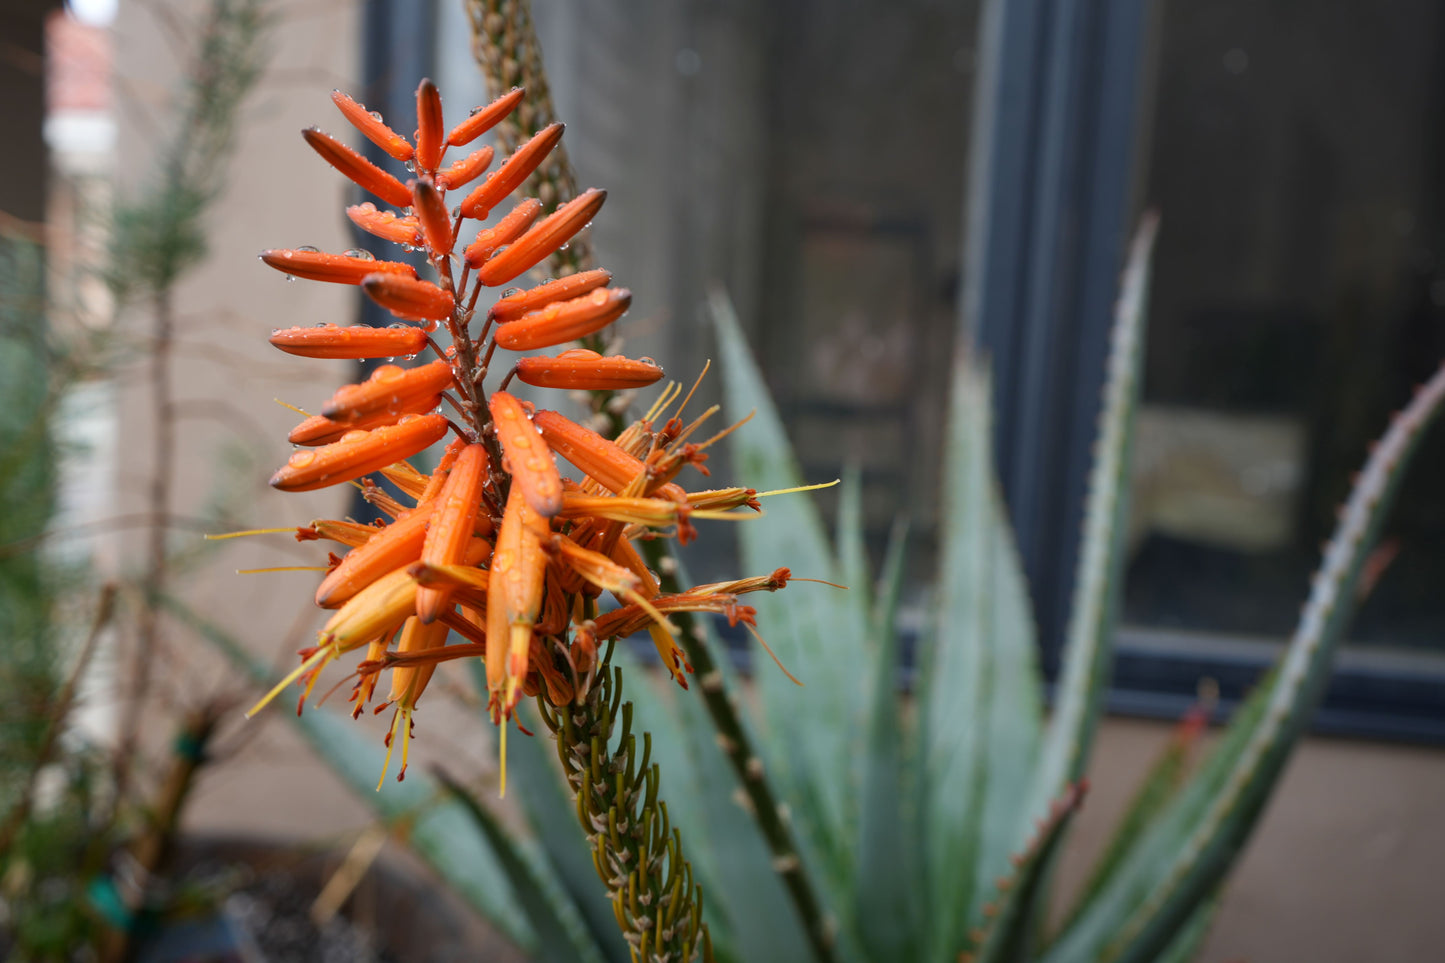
{"x": 1187, "y": 852}
{"x": 889, "y": 862}
{"x": 818, "y": 633}
{"x": 980, "y": 692}
{"x": 1098, "y": 581}
{"x": 440, "y": 830}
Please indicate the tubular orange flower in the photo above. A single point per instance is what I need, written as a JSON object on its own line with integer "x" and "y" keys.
{"x": 565, "y": 321}
{"x": 584, "y": 370}
{"x": 397, "y": 545}
{"x": 390, "y": 388}
{"x": 529, "y": 460}
{"x": 511, "y": 174}
{"x": 372, "y": 128}
{"x": 358, "y": 453}
{"x": 485, "y": 118}
{"x": 320, "y": 430}
{"x": 337, "y": 268}
{"x": 466, "y": 170}
{"x": 514, "y": 306}
{"x": 362, "y": 172}
{"x": 554, "y": 231}
{"x": 409, "y": 298}
{"x": 505, "y": 231}
{"x": 514, "y": 597}
{"x": 357, "y": 341}
{"x": 385, "y": 224}
{"x": 431, "y": 212}
{"x": 451, "y": 528}
{"x": 430, "y": 138}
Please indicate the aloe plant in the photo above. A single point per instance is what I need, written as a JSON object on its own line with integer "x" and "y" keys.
{"x": 924, "y": 832}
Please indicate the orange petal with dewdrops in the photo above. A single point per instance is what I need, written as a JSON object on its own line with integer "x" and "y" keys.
{"x": 466, "y": 170}
{"x": 372, "y": 127}
{"x": 529, "y": 459}
{"x": 337, "y": 268}
{"x": 409, "y": 298}
{"x": 320, "y": 430}
{"x": 584, "y": 370}
{"x": 507, "y": 178}
{"x": 612, "y": 468}
{"x": 514, "y": 306}
{"x": 553, "y": 232}
{"x": 450, "y": 532}
{"x": 485, "y": 118}
{"x": 431, "y": 213}
{"x": 430, "y": 136}
{"x": 358, "y": 453}
{"x": 392, "y": 547}
{"x": 564, "y": 321}
{"x": 390, "y": 388}
{"x": 514, "y": 598}
{"x": 505, "y": 231}
{"x": 386, "y": 224}
{"x": 363, "y": 172}
{"x": 355, "y": 341}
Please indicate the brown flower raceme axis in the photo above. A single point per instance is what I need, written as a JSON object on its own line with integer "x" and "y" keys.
{"x": 493, "y": 554}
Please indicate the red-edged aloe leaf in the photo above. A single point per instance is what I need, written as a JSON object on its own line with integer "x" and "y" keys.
{"x": 888, "y": 911}
{"x": 1188, "y": 852}
{"x": 1008, "y": 917}
{"x": 1161, "y": 784}
{"x": 1098, "y": 580}
{"x": 979, "y": 703}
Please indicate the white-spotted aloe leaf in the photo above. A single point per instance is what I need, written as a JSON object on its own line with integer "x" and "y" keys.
{"x": 979, "y": 689}
{"x": 1099, "y": 576}
{"x": 890, "y": 916}
{"x": 1187, "y": 853}
{"x": 438, "y": 829}
{"x": 814, "y": 732}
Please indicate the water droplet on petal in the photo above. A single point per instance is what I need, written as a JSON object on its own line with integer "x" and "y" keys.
{"x": 511, "y": 293}
{"x": 387, "y": 372}
{"x": 300, "y": 459}
{"x": 375, "y": 115}
{"x": 309, "y": 248}
{"x": 361, "y": 253}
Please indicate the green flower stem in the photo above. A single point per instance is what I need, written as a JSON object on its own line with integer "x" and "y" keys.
{"x": 635, "y": 849}
{"x": 737, "y": 746}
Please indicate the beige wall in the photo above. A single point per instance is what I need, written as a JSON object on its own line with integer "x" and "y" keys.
{"x": 1345, "y": 866}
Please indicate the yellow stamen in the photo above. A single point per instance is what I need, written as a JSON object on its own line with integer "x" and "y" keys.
{"x": 390, "y": 744}
{"x": 800, "y": 488}
{"x": 769, "y": 649}
{"x": 251, "y": 531}
{"x": 502, "y": 761}
{"x": 695, "y": 385}
{"x": 300, "y": 411}
{"x": 316, "y": 660}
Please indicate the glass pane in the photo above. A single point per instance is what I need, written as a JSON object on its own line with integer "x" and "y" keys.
{"x": 1299, "y": 295}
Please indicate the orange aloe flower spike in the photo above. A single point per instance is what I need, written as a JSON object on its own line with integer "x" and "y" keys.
{"x": 372, "y": 128}
{"x": 397, "y": 545}
{"x": 375, "y": 610}
{"x": 554, "y": 231}
{"x": 358, "y": 453}
{"x": 505, "y": 231}
{"x": 529, "y": 459}
{"x": 450, "y": 533}
{"x": 390, "y": 388}
{"x": 385, "y": 224}
{"x": 356, "y": 341}
{"x": 514, "y": 170}
{"x": 514, "y": 598}
{"x": 409, "y": 298}
{"x": 583, "y": 370}
{"x": 514, "y": 306}
{"x": 431, "y": 212}
{"x": 337, "y": 268}
{"x": 363, "y": 172}
{"x": 485, "y": 118}
{"x": 466, "y": 170}
{"x": 430, "y": 139}
{"x": 565, "y": 321}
